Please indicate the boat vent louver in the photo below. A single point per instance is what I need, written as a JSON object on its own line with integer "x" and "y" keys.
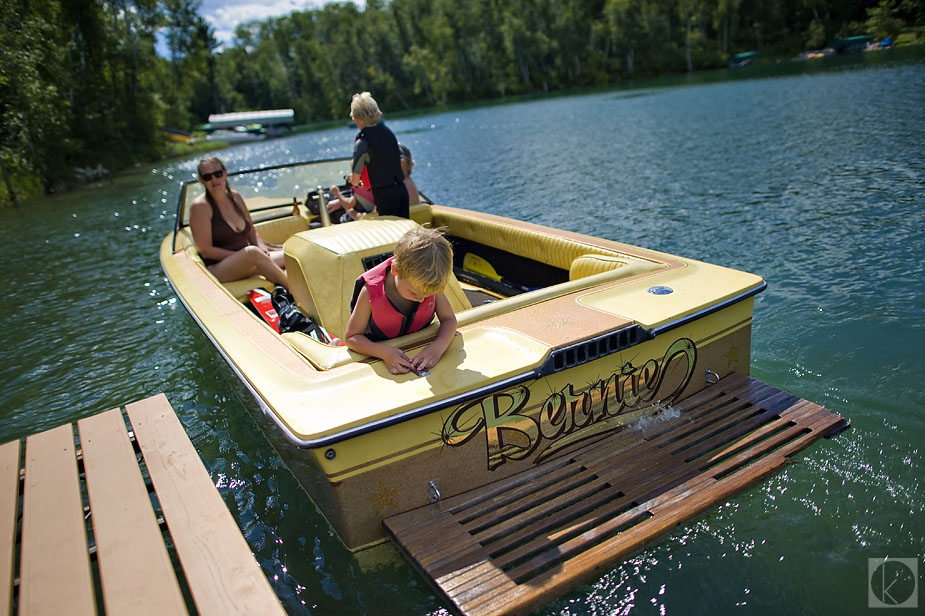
{"x": 373, "y": 260}
{"x": 595, "y": 348}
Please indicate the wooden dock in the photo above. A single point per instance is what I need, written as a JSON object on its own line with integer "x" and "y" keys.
{"x": 511, "y": 546}
{"x": 98, "y": 518}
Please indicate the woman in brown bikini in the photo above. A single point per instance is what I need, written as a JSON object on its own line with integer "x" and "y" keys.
{"x": 224, "y": 232}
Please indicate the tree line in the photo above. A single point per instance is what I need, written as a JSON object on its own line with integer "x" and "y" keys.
{"x": 82, "y": 82}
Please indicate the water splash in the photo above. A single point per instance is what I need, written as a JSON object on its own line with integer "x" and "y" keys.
{"x": 663, "y": 413}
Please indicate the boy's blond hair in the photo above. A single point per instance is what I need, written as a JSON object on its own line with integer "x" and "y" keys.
{"x": 424, "y": 257}
{"x": 364, "y": 108}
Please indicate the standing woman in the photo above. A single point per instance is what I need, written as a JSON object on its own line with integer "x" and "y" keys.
{"x": 376, "y": 158}
{"x": 224, "y": 232}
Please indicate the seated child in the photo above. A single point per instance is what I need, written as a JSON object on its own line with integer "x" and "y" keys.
{"x": 361, "y": 202}
{"x": 400, "y": 296}
{"x": 354, "y": 207}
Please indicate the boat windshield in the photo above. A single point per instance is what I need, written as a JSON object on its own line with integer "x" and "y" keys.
{"x": 269, "y": 188}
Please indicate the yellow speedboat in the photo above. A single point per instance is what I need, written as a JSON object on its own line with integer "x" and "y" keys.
{"x": 563, "y": 340}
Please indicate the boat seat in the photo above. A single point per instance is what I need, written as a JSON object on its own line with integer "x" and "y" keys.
{"x": 323, "y": 265}
{"x": 275, "y": 231}
{"x": 588, "y": 265}
{"x": 533, "y": 244}
{"x": 278, "y": 230}
{"x": 580, "y": 259}
{"x": 237, "y": 288}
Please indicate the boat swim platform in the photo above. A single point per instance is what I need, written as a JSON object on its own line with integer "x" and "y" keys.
{"x": 84, "y": 531}
{"x": 513, "y": 545}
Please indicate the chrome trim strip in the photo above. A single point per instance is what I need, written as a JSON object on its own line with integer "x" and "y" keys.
{"x": 655, "y": 331}
{"x": 372, "y": 426}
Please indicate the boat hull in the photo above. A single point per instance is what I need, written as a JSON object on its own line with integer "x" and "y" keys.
{"x": 491, "y": 437}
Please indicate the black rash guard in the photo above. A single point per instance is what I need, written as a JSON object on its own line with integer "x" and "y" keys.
{"x": 376, "y": 150}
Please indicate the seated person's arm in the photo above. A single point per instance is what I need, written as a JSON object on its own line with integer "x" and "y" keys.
{"x": 357, "y": 214}
{"x": 339, "y": 200}
{"x": 349, "y": 204}
{"x": 268, "y": 246}
{"x": 428, "y": 358}
{"x": 413, "y": 196}
{"x": 356, "y": 340}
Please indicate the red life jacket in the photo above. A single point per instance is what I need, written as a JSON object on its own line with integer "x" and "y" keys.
{"x": 364, "y": 196}
{"x": 386, "y": 321}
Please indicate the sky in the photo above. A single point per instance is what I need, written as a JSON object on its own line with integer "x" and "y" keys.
{"x": 225, "y": 15}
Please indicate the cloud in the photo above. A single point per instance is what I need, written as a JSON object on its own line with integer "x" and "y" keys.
{"x": 226, "y": 15}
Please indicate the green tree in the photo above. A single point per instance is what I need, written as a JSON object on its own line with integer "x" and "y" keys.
{"x": 190, "y": 90}
{"x": 33, "y": 106}
{"x": 882, "y": 20}
{"x": 642, "y": 35}
{"x": 81, "y": 82}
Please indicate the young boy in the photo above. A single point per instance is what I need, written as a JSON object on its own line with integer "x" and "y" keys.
{"x": 400, "y": 296}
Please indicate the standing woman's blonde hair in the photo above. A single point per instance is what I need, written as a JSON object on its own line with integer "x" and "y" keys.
{"x": 364, "y": 108}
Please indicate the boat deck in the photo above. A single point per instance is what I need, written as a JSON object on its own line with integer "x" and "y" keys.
{"x": 513, "y": 545}
{"x": 128, "y": 518}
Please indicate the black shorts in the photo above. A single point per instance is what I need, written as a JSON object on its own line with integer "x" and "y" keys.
{"x": 392, "y": 200}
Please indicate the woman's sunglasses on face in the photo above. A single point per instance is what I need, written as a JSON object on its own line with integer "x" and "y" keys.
{"x": 208, "y": 176}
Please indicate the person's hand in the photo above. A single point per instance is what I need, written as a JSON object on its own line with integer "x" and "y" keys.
{"x": 426, "y": 359}
{"x": 396, "y": 360}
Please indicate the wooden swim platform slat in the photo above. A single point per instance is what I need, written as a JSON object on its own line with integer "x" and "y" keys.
{"x": 55, "y": 567}
{"x": 223, "y": 576}
{"x": 73, "y": 496}
{"x": 513, "y": 545}
{"x": 136, "y": 574}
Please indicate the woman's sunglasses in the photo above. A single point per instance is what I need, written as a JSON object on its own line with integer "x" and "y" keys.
{"x": 208, "y": 176}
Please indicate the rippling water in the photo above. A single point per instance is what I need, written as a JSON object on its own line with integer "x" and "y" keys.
{"x": 813, "y": 179}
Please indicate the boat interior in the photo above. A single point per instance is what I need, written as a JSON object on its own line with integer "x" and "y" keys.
{"x": 515, "y": 265}
{"x": 499, "y": 264}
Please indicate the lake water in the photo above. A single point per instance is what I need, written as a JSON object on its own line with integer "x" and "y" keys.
{"x": 811, "y": 175}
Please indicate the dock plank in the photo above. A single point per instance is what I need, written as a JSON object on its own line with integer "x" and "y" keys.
{"x": 9, "y": 492}
{"x": 223, "y": 576}
{"x": 68, "y": 502}
{"x": 726, "y": 438}
{"x": 54, "y": 554}
{"x": 136, "y": 574}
